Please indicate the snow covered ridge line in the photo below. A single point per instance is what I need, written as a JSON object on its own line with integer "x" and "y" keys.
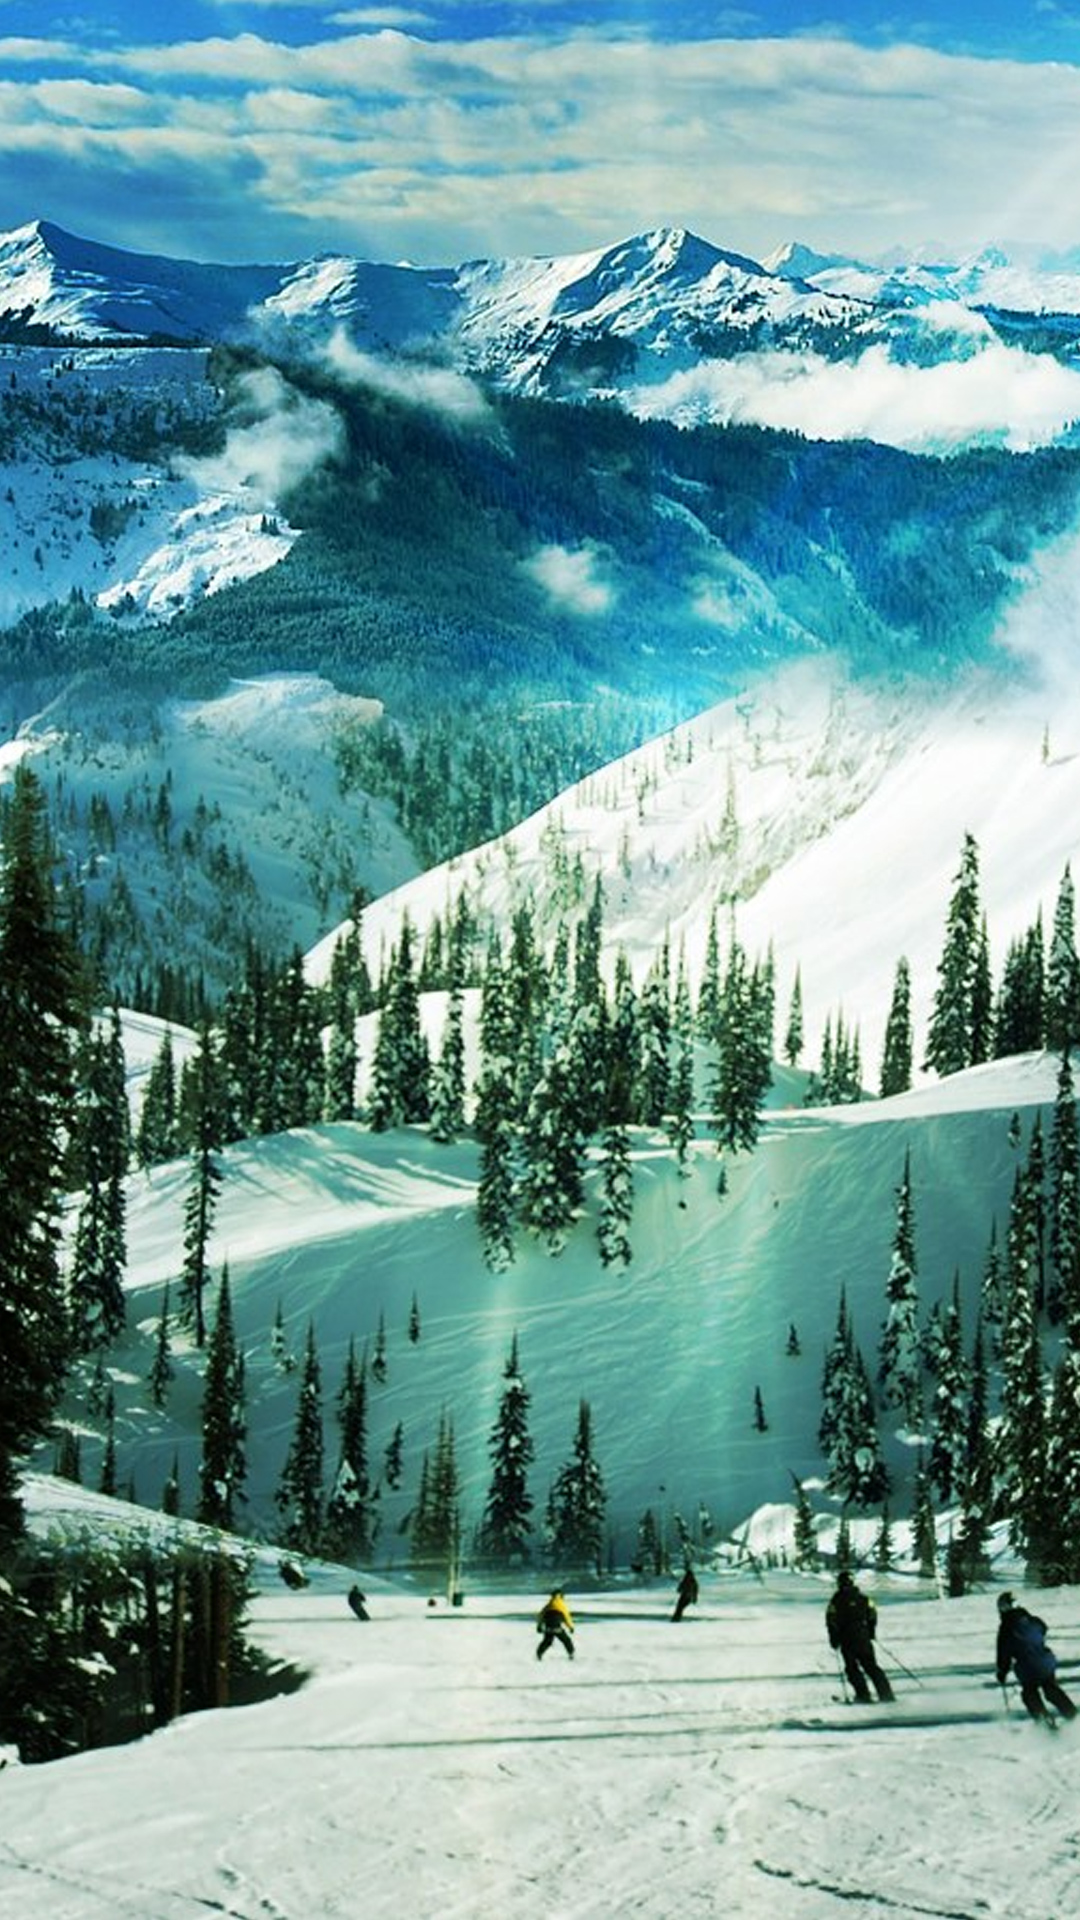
{"x": 665, "y": 322}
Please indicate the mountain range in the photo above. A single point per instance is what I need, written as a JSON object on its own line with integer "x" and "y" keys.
{"x": 623, "y": 320}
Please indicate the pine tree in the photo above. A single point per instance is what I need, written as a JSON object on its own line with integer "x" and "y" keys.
{"x": 170, "y": 1492}
{"x": 650, "y": 1551}
{"x": 69, "y": 1456}
{"x": 1019, "y": 1020}
{"x": 949, "y": 1408}
{"x": 1060, "y": 1558}
{"x": 837, "y": 1361}
{"x": 283, "y": 1358}
{"x": 1021, "y": 1433}
{"x": 348, "y": 1518}
{"x": 950, "y": 1043}
{"x": 107, "y": 1483}
{"x": 743, "y": 1071}
{"x": 393, "y": 1457}
{"x": 437, "y": 1517}
{"x": 401, "y": 1064}
{"x": 494, "y": 1122}
{"x": 521, "y": 993}
{"x": 805, "y": 1534}
{"x": 577, "y": 1504}
{"x": 299, "y": 1496}
{"x": 923, "y": 1528}
{"x": 1062, "y": 1007}
{"x": 681, "y": 1122}
{"x": 161, "y": 1369}
{"x": 898, "y": 1048}
{"x": 205, "y": 1184}
{"x": 883, "y": 1545}
{"x": 40, "y": 1012}
{"x": 710, "y": 996}
{"x": 901, "y": 1361}
{"x": 223, "y": 1468}
{"x": 761, "y": 1425}
{"x": 794, "y": 1034}
{"x": 617, "y": 1205}
{"x": 339, "y": 1092}
{"x": 448, "y": 1078}
{"x": 994, "y": 1290}
{"x": 654, "y": 1024}
{"x": 977, "y": 1485}
{"x": 553, "y": 1191}
{"x": 156, "y": 1134}
{"x": 379, "y": 1367}
{"x": 1064, "y": 1292}
{"x": 414, "y": 1321}
{"x": 848, "y": 1431}
{"x": 504, "y": 1533}
{"x": 95, "y": 1284}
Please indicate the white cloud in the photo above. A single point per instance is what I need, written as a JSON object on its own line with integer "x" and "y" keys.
{"x": 389, "y": 144}
{"x": 999, "y": 395}
{"x": 436, "y": 389}
{"x": 279, "y": 438}
{"x": 571, "y": 576}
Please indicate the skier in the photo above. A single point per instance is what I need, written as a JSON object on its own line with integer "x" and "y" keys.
{"x": 357, "y": 1601}
{"x": 687, "y": 1593}
{"x": 851, "y": 1623}
{"x": 554, "y": 1622}
{"x": 1021, "y": 1643}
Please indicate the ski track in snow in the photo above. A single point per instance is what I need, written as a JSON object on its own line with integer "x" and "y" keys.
{"x": 431, "y": 1767}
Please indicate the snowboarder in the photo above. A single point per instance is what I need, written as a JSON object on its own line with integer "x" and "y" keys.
{"x": 851, "y": 1623}
{"x": 1021, "y": 1643}
{"x": 357, "y": 1601}
{"x": 554, "y": 1622}
{"x": 687, "y": 1593}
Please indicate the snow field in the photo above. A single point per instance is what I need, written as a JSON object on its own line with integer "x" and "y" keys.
{"x": 432, "y": 1768}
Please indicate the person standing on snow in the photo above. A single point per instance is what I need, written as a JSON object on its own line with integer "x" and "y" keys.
{"x": 851, "y": 1623}
{"x": 554, "y": 1622}
{"x": 1021, "y": 1644}
{"x": 687, "y": 1593}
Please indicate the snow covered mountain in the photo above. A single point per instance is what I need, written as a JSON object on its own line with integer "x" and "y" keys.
{"x": 632, "y": 321}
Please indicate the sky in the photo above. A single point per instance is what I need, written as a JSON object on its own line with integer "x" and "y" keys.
{"x": 438, "y": 133}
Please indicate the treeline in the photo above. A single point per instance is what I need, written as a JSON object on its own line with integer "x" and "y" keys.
{"x": 101, "y": 1643}
{"x": 411, "y": 568}
{"x": 992, "y": 1407}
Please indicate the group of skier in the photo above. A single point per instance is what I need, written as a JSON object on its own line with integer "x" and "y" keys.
{"x": 851, "y": 1625}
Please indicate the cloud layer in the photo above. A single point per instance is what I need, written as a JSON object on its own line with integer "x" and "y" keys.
{"x": 391, "y": 145}
{"x": 999, "y": 396}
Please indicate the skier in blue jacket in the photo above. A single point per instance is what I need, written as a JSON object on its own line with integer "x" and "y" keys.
{"x": 1021, "y": 1644}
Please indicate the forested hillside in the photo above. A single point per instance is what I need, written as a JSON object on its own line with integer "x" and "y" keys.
{"x": 519, "y": 592}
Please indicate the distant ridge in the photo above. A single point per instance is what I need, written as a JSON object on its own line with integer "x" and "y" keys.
{"x": 617, "y": 321}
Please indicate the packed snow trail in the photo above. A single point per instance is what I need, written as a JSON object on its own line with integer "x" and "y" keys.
{"x": 432, "y": 1768}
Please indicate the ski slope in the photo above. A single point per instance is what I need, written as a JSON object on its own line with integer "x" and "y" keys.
{"x": 431, "y": 1768}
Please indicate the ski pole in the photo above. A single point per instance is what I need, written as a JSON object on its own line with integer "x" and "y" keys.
{"x": 1005, "y": 1697}
{"x": 843, "y": 1675}
{"x": 897, "y": 1662}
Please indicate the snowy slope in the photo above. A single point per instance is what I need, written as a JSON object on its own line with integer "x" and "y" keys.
{"x": 86, "y": 290}
{"x": 431, "y": 1768}
{"x": 850, "y": 802}
{"x": 341, "y": 1227}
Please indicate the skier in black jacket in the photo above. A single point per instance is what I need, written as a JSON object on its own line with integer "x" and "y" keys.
{"x": 1021, "y": 1643}
{"x": 851, "y": 1622}
{"x": 687, "y": 1593}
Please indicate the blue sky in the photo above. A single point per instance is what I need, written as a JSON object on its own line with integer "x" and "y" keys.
{"x": 272, "y": 130}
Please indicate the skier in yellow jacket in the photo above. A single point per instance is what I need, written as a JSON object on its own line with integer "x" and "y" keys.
{"x": 554, "y": 1622}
